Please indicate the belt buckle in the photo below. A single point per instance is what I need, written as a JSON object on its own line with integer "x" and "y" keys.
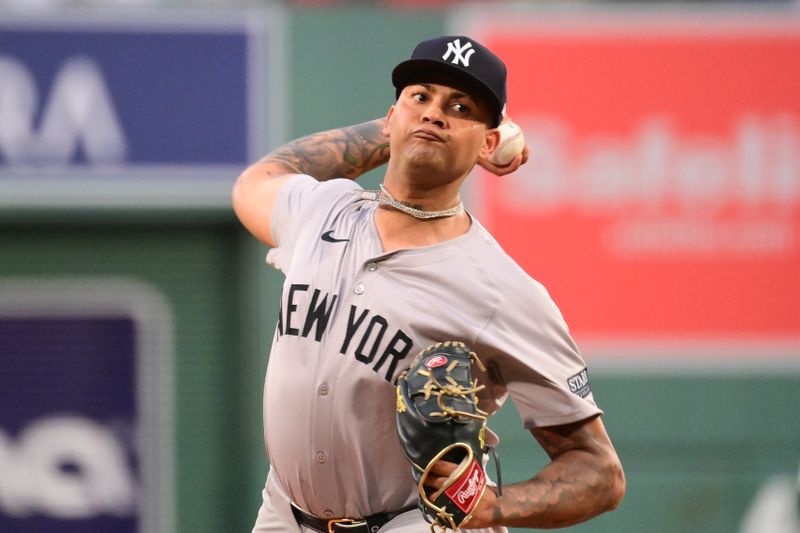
{"x": 346, "y": 522}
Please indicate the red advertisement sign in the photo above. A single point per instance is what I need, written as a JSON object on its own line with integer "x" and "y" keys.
{"x": 662, "y": 197}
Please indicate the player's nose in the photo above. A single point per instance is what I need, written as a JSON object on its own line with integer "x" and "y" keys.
{"x": 433, "y": 113}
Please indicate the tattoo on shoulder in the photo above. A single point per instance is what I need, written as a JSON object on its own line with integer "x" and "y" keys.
{"x": 346, "y": 152}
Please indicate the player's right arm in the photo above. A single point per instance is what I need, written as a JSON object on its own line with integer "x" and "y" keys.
{"x": 340, "y": 153}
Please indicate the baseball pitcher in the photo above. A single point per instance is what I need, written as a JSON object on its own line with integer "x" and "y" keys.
{"x": 403, "y": 326}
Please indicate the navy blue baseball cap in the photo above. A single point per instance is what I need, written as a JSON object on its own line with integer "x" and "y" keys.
{"x": 462, "y": 58}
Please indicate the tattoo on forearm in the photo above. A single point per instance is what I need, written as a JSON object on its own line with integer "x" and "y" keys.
{"x": 571, "y": 489}
{"x": 341, "y": 153}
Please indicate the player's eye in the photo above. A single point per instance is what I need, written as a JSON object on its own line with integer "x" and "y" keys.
{"x": 419, "y": 96}
{"x": 461, "y": 109}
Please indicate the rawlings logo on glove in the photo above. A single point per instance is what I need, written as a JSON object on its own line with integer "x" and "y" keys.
{"x": 467, "y": 494}
{"x": 438, "y": 419}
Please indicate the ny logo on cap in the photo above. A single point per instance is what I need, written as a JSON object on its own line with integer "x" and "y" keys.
{"x": 461, "y": 54}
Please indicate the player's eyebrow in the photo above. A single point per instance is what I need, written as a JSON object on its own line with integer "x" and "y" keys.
{"x": 453, "y": 94}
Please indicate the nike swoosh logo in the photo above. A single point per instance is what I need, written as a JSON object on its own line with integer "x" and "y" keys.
{"x": 330, "y": 238}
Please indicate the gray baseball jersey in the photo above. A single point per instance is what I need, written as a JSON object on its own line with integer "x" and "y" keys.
{"x": 352, "y": 317}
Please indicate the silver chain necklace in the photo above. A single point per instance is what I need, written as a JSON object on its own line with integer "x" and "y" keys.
{"x": 384, "y": 197}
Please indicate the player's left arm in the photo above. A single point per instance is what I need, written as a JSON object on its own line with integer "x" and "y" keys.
{"x": 583, "y": 479}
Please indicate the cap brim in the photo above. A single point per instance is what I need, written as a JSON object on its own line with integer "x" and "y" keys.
{"x": 427, "y": 70}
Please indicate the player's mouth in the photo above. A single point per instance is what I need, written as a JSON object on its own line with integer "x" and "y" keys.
{"x": 427, "y": 135}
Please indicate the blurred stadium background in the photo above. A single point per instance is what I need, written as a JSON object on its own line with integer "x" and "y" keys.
{"x": 661, "y": 207}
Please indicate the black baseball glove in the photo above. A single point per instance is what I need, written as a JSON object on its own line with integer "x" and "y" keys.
{"x": 438, "y": 418}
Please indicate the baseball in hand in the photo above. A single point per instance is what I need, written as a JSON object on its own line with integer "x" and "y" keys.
{"x": 512, "y": 143}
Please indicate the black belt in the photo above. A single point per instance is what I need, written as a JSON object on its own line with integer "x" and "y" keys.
{"x": 368, "y": 524}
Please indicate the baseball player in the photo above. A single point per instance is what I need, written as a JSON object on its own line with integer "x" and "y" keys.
{"x": 373, "y": 277}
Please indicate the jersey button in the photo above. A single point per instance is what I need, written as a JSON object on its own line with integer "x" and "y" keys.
{"x": 320, "y": 457}
{"x": 323, "y": 389}
{"x": 327, "y": 513}
{"x": 359, "y": 288}
{"x": 372, "y": 267}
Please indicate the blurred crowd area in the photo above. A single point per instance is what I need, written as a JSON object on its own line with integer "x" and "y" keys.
{"x": 409, "y": 4}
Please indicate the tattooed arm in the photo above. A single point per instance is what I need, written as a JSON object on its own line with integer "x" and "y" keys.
{"x": 583, "y": 479}
{"x": 340, "y": 153}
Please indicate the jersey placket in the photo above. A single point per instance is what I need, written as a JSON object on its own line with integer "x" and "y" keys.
{"x": 330, "y": 367}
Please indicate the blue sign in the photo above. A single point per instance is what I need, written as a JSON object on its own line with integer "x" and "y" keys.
{"x": 167, "y": 98}
{"x": 149, "y": 102}
{"x": 67, "y": 418}
{"x": 80, "y": 445}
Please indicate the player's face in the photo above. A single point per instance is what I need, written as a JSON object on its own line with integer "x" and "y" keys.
{"x": 440, "y": 129}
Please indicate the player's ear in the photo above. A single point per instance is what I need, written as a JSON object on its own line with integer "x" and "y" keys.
{"x": 386, "y": 122}
{"x": 490, "y": 142}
